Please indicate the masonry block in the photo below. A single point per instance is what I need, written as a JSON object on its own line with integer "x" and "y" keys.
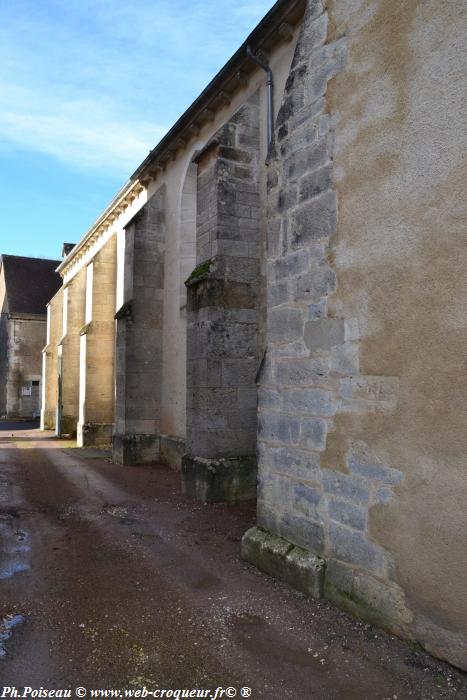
{"x": 373, "y": 600}
{"x": 314, "y": 220}
{"x": 219, "y": 480}
{"x": 277, "y": 557}
{"x": 134, "y": 448}
{"x": 324, "y": 333}
{"x": 94, "y": 434}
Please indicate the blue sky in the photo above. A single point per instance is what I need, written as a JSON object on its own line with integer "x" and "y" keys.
{"x": 87, "y": 88}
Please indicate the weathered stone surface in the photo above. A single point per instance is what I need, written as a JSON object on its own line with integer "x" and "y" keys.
{"x": 324, "y": 333}
{"x": 290, "y": 460}
{"x": 302, "y": 531}
{"x": 172, "y": 450}
{"x": 347, "y": 513}
{"x": 368, "y": 598}
{"x": 285, "y": 324}
{"x": 279, "y": 428}
{"x": 361, "y": 463}
{"x": 314, "y": 220}
{"x": 310, "y": 402}
{"x": 278, "y": 557}
{"x": 345, "y": 486}
{"x": 216, "y": 480}
{"x": 314, "y": 285}
{"x": 302, "y": 372}
{"x": 135, "y": 449}
{"x": 315, "y": 182}
{"x": 95, "y": 434}
{"x": 368, "y": 393}
{"x": 313, "y": 433}
{"x": 68, "y": 426}
{"x": 301, "y": 162}
{"x": 353, "y": 547}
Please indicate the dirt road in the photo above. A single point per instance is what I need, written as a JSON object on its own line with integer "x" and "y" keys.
{"x": 109, "y": 578}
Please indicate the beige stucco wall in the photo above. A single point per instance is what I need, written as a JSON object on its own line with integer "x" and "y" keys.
{"x": 97, "y": 349}
{"x": 73, "y": 310}
{"x": 49, "y": 362}
{"x": 399, "y": 119}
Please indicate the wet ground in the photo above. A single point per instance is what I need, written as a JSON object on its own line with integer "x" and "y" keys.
{"x": 109, "y": 578}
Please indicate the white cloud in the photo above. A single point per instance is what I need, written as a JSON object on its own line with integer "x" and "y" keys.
{"x": 96, "y": 83}
{"x": 81, "y": 133}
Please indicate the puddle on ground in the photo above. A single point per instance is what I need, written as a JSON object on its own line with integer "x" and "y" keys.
{"x": 15, "y": 548}
{"x": 7, "y": 625}
{"x": 12, "y": 568}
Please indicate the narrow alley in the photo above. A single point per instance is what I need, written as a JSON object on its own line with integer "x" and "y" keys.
{"x": 110, "y": 578}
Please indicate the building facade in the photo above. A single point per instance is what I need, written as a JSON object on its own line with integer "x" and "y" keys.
{"x": 26, "y": 284}
{"x": 276, "y": 300}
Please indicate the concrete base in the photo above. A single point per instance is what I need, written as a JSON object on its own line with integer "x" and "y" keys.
{"x": 90, "y": 434}
{"x": 132, "y": 448}
{"x": 279, "y": 558}
{"x": 214, "y": 480}
{"x": 172, "y": 451}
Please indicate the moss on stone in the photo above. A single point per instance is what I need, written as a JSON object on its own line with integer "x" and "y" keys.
{"x": 201, "y": 269}
{"x": 216, "y": 480}
{"x": 356, "y": 606}
{"x": 280, "y": 558}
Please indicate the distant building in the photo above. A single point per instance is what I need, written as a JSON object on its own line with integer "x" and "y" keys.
{"x": 26, "y": 285}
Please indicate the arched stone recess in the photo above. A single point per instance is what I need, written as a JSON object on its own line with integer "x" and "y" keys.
{"x": 138, "y": 357}
{"x": 222, "y": 315}
{"x": 313, "y": 517}
{"x": 180, "y": 262}
{"x": 186, "y": 248}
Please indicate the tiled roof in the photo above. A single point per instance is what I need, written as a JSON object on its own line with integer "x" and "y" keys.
{"x": 30, "y": 283}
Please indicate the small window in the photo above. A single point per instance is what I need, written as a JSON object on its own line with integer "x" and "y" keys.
{"x": 35, "y": 382}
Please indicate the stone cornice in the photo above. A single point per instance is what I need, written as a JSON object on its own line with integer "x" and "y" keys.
{"x": 127, "y": 195}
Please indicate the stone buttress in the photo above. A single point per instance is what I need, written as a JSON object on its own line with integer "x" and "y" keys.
{"x": 138, "y": 356}
{"x": 222, "y": 316}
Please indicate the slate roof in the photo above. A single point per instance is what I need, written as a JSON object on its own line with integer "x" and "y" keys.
{"x": 30, "y": 283}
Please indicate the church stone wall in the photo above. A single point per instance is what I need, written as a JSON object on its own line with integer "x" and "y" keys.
{"x": 361, "y": 488}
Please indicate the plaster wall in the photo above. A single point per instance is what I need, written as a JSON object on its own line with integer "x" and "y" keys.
{"x": 399, "y": 113}
{"x": 73, "y": 317}
{"x": 49, "y": 363}
{"x": 362, "y": 396}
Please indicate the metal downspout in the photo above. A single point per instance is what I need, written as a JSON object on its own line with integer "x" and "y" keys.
{"x": 270, "y": 98}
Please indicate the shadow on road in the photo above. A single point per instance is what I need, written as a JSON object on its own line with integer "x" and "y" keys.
{"x": 6, "y": 425}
